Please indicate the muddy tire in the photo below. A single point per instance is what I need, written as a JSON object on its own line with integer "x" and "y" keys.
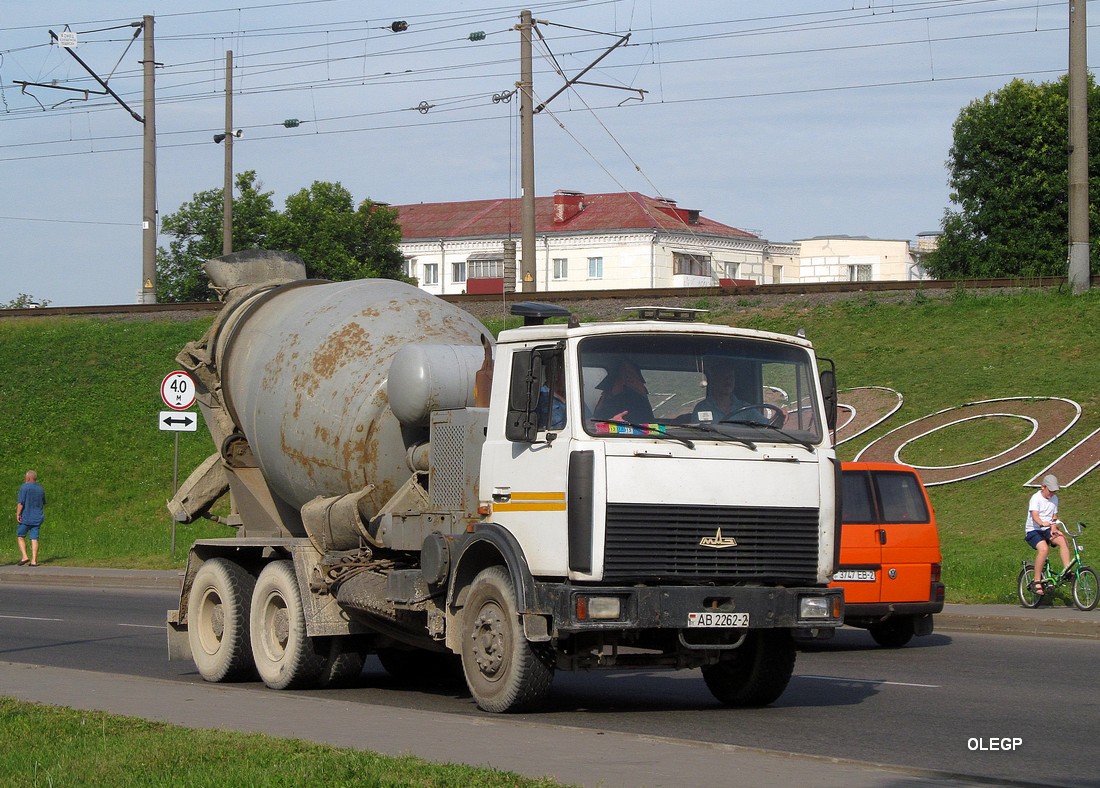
{"x": 756, "y": 673}
{"x": 285, "y": 656}
{"x": 504, "y": 671}
{"x": 341, "y": 663}
{"x": 217, "y": 621}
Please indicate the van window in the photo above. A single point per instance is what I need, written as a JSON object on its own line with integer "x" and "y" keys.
{"x": 857, "y": 503}
{"x": 900, "y": 497}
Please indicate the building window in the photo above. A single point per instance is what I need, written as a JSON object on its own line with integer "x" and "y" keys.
{"x": 777, "y": 274}
{"x": 485, "y": 269}
{"x": 595, "y": 268}
{"x": 859, "y": 273}
{"x": 431, "y": 273}
{"x": 730, "y": 270}
{"x": 410, "y": 267}
{"x": 458, "y": 272}
{"x": 561, "y": 268}
{"x": 690, "y": 264}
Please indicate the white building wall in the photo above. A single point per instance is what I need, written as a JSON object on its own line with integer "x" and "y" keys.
{"x": 630, "y": 260}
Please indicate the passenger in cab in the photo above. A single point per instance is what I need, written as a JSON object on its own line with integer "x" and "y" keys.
{"x": 625, "y": 396}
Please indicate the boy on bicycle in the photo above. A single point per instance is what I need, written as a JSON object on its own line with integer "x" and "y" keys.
{"x": 1041, "y": 528}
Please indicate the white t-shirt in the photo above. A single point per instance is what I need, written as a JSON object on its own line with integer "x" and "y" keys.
{"x": 1046, "y": 507}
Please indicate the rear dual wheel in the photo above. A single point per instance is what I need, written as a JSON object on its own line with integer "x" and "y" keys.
{"x": 218, "y": 621}
{"x": 285, "y": 656}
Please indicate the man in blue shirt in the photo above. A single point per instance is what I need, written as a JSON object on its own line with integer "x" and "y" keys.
{"x": 29, "y": 513}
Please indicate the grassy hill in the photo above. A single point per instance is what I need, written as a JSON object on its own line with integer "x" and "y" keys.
{"x": 79, "y": 399}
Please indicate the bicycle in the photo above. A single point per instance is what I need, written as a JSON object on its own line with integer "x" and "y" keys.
{"x": 1082, "y": 578}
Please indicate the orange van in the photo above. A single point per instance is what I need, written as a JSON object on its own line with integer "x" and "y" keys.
{"x": 890, "y": 558}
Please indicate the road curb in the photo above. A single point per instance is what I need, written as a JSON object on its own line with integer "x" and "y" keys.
{"x": 91, "y": 577}
{"x": 1036, "y": 624}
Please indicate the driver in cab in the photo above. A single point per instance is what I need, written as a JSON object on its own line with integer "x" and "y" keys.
{"x": 720, "y": 402}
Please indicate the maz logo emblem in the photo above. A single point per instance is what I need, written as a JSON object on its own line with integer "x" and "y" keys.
{"x": 717, "y": 541}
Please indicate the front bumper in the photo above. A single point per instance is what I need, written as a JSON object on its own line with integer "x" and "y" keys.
{"x": 667, "y": 607}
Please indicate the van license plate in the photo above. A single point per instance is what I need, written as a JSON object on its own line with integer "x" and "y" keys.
{"x": 718, "y": 620}
{"x": 858, "y": 575}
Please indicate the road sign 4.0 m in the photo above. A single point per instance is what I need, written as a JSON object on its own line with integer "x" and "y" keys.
{"x": 177, "y": 421}
{"x": 178, "y": 390}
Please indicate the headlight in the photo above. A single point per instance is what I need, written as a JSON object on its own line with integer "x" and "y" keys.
{"x": 598, "y": 607}
{"x": 814, "y": 607}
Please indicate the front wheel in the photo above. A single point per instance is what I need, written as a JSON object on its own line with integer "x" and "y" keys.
{"x": 756, "y": 673}
{"x": 894, "y": 632}
{"x": 285, "y": 656}
{"x": 504, "y": 671}
{"x": 1025, "y": 586}
{"x": 1085, "y": 589}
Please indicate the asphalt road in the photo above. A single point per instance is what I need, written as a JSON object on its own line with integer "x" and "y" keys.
{"x": 939, "y": 704}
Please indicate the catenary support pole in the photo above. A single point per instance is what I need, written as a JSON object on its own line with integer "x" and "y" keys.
{"x": 1078, "y": 150}
{"x": 149, "y": 171}
{"x": 227, "y": 196}
{"x": 527, "y": 157}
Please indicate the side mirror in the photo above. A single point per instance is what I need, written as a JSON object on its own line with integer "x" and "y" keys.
{"x": 830, "y": 395}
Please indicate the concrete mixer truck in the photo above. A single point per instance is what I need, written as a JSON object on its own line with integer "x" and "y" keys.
{"x": 643, "y": 493}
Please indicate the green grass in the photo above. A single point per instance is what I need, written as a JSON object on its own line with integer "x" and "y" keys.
{"x": 79, "y": 399}
{"x": 46, "y": 745}
{"x": 944, "y": 353}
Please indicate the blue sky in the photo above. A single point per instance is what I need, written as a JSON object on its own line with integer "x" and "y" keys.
{"x": 788, "y": 119}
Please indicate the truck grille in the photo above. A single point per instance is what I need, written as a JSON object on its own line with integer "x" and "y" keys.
{"x": 657, "y": 542}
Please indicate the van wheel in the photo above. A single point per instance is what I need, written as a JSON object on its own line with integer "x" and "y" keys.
{"x": 504, "y": 671}
{"x": 894, "y": 632}
{"x": 285, "y": 655}
{"x": 217, "y": 621}
{"x": 756, "y": 673}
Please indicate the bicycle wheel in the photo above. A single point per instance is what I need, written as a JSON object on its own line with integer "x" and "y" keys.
{"x": 1024, "y": 581}
{"x": 1085, "y": 589}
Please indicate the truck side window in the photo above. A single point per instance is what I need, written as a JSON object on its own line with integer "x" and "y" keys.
{"x": 551, "y": 406}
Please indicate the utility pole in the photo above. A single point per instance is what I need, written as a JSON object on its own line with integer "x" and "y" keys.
{"x": 527, "y": 157}
{"x": 227, "y": 197}
{"x": 1079, "y": 278}
{"x": 149, "y": 171}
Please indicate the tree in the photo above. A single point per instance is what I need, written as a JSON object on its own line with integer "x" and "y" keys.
{"x": 1009, "y": 179}
{"x": 321, "y": 224}
{"x": 197, "y": 237}
{"x": 25, "y": 301}
{"x": 338, "y": 241}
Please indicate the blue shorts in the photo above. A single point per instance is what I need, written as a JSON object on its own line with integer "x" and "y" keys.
{"x": 1034, "y": 537}
{"x": 27, "y": 530}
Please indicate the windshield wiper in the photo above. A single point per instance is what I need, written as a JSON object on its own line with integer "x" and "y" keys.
{"x": 718, "y": 434}
{"x": 804, "y": 443}
{"x": 650, "y": 431}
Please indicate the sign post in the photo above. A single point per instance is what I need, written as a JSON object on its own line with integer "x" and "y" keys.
{"x": 178, "y": 392}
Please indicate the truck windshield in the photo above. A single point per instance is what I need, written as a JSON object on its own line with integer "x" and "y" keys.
{"x": 689, "y": 386}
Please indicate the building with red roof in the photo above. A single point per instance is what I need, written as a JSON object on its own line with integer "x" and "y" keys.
{"x": 583, "y": 242}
